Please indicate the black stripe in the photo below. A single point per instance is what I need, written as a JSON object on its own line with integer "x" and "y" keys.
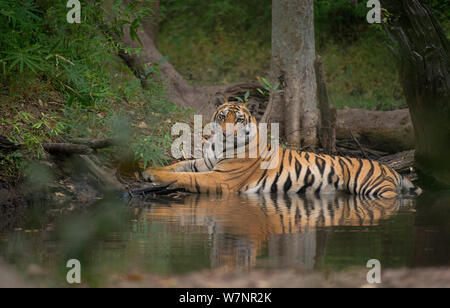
{"x": 320, "y": 163}
{"x": 366, "y": 181}
{"x": 375, "y": 183}
{"x": 197, "y": 187}
{"x": 298, "y": 168}
{"x": 206, "y": 163}
{"x": 287, "y": 184}
{"x": 317, "y": 191}
{"x": 345, "y": 167}
{"x": 350, "y": 161}
{"x": 307, "y": 156}
{"x": 308, "y": 181}
{"x": 282, "y": 162}
{"x": 330, "y": 176}
{"x": 262, "y": 176}
{"x": 263, "y": 186}
{"x": 376, "y": 192}
{"x": 274, "y": 188}
{"x": 307, "y": 174}
{"x": 195, "y": 166}
{"x": 355, "y": 181}
{"x": 302, "y": 190}
{"x": 385, "y": 190}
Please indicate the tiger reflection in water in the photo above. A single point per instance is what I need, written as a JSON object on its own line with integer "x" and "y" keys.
{"x": 241, "y": 226}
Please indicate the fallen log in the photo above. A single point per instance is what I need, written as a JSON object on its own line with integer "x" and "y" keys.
{"x": 66, "y": 149}
{"x": 389, "y": 131}
{"x": 97, "y": 143}
{"x": 104, "y": 176}
{"x": 401, "y": 162}
{"x": 344, "y": 148}
{"x": 80, "y": 146}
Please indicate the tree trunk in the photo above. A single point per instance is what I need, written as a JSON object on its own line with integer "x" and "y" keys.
{"x": 328, "y": 114}
{"x": 292, "y": 65}
{"x": 151, "y": 23}
{"x": 424, "y": 52}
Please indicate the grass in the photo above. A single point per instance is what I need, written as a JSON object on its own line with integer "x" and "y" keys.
{"x": 361, "y": 74}
{"x": 215, "y": 57}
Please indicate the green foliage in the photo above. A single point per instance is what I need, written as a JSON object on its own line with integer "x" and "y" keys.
{"x": 148, "y": 149}
{"x": 243, "y": 99}
{"x": 268, "y": 89}
{"x": 43, "y": 58}
{"x": 251, "y": 16}
{"x": 36, "y": 37}
{"x": 441, "y": 9}
{"x": 339, "y": 19}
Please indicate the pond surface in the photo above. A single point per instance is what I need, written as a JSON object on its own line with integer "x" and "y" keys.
{"x": 196, "y": 232}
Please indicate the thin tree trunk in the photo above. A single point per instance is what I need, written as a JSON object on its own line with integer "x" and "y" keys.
{"x": 328, "y": 114}
{"x": 424, "y": 57}
{"x": 292, "y": 65}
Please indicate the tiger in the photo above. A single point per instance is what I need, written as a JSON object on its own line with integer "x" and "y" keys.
{"x": 293, "y": 171}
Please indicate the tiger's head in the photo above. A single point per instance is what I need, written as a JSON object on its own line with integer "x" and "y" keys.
{"x": 232, "y": 117}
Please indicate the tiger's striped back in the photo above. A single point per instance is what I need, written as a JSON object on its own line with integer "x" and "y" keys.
{"x": 305, "y": 172}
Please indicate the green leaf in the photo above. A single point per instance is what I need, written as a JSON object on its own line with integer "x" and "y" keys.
{"x": 266, "y": 82}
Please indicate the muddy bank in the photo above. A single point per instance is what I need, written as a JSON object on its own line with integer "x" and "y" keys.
{"x": 10, "y": 278}
{"x": 400, "y": 278}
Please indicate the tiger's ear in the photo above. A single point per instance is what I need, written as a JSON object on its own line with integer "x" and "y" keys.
{"x": 220, "y": 99}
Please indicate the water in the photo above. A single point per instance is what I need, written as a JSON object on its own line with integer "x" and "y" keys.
{"x": 197, "y": 232}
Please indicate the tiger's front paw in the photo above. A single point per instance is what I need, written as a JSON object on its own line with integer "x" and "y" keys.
{"x": 149, "y": 175}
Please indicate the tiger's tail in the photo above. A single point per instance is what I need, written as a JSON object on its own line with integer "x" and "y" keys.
{"x": 408, "y": 188}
